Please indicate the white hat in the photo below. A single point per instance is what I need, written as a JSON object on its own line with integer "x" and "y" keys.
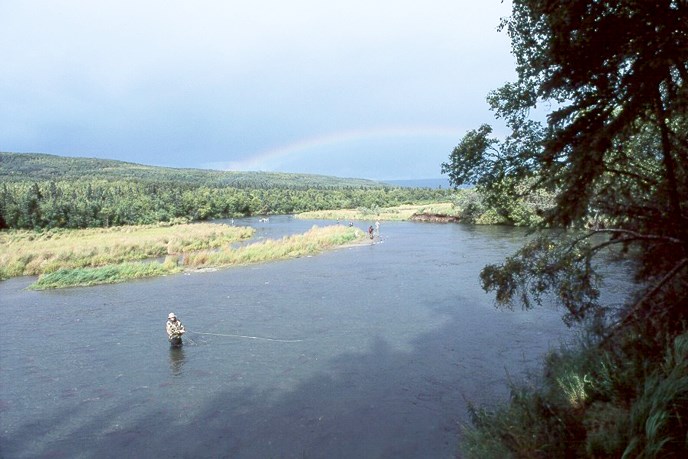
{"x": 171, "y": 315}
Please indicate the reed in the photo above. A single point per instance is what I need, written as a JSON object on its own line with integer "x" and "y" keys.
{"x": 397, "y": 213}
{"x": 34, "y": 253}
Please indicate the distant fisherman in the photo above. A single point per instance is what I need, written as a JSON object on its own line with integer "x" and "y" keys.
{"x": 175, "y": 330}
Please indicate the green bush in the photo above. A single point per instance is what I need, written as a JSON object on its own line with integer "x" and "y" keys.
{"x": 591, "y": 403}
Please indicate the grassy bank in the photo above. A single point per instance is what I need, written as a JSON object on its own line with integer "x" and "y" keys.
{"x": 312, "y": 242}
{"x": 631, "y": 401}
{"x": 403, "y": 212}
{"x": 31, "y": 253}
{"x": 111, "y": 274}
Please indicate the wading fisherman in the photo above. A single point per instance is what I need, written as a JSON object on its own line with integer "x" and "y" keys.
{"x": 175, "y": 330}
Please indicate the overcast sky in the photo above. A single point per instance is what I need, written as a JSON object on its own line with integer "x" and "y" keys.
{"x": 369, "y": 89}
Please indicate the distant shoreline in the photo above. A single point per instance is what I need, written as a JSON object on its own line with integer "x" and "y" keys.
{"x": 67, "y": 258}
{"x": 396, "y": 213}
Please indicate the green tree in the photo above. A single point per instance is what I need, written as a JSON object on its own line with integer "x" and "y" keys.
{"x": 616, "y": 142}
{"x": 4, "y": 205}
{"x": 614, "y": 151}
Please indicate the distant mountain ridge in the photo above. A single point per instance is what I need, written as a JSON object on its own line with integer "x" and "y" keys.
{"x": 17, "y": 167}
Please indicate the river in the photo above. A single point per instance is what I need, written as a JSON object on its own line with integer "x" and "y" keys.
{"x": 363, "y": 352}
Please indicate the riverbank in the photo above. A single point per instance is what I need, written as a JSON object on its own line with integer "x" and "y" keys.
{"x": 212, "y": 255}
{"x": 434, "y": 218}
{"x": 396, "y": 213}
{"x": 314, "y": 241}
{"x": 34, "y": 253}
{"x": 67, "y": 258}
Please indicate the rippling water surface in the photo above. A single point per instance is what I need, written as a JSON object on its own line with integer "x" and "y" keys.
{"x": 369, "y": 351}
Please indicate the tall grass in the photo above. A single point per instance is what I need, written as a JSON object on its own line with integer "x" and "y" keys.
{"x": 111, "y": 274}
{"x": 314, "y": 241}
{"x": 398, "y": 213}
{"x": 34, "y": 253}
{"x": 659, "y": 416}
{"x": 623, "y": 406}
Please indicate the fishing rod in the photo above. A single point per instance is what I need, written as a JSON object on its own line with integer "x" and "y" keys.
{"x": 250, "y": 337}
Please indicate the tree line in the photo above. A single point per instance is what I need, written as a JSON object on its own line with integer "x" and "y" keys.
{"x": 102, "y": 203}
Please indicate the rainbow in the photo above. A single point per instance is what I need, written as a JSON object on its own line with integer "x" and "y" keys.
{"x": 258, "y": 160}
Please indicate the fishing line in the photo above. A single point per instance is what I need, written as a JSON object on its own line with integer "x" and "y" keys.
{"x": 191, "y": 340}
{"x": 251, "y": 337}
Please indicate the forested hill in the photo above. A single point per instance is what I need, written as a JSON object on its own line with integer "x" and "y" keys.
{"x": 44, "y": 191}
{"x": 23, "y": 167}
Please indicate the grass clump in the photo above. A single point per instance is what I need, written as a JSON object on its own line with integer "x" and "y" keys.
{"x": 111, "y": 274}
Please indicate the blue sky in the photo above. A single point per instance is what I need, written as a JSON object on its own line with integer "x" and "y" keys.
{"x": 370, "y": 89}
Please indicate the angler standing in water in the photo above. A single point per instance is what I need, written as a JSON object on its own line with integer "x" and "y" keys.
{"x": 175, "y": 330}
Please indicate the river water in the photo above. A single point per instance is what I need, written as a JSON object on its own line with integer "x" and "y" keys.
{"x": 364, "y": 352}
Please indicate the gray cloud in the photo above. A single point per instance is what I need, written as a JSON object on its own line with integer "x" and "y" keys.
{"x": 187, "y": 84}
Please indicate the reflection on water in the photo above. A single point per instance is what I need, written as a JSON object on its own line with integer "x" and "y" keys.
{"x": 382, "y": 344}
{"x": 176, "y": 360}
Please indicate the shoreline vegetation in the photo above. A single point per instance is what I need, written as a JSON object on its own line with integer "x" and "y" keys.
{"x": 442, "y": 211}
{"x": 84, "y": 257}
{"x": 78, "y": 258}
{"x": 34, "y": 253}
{"x": 40, "y": 192}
